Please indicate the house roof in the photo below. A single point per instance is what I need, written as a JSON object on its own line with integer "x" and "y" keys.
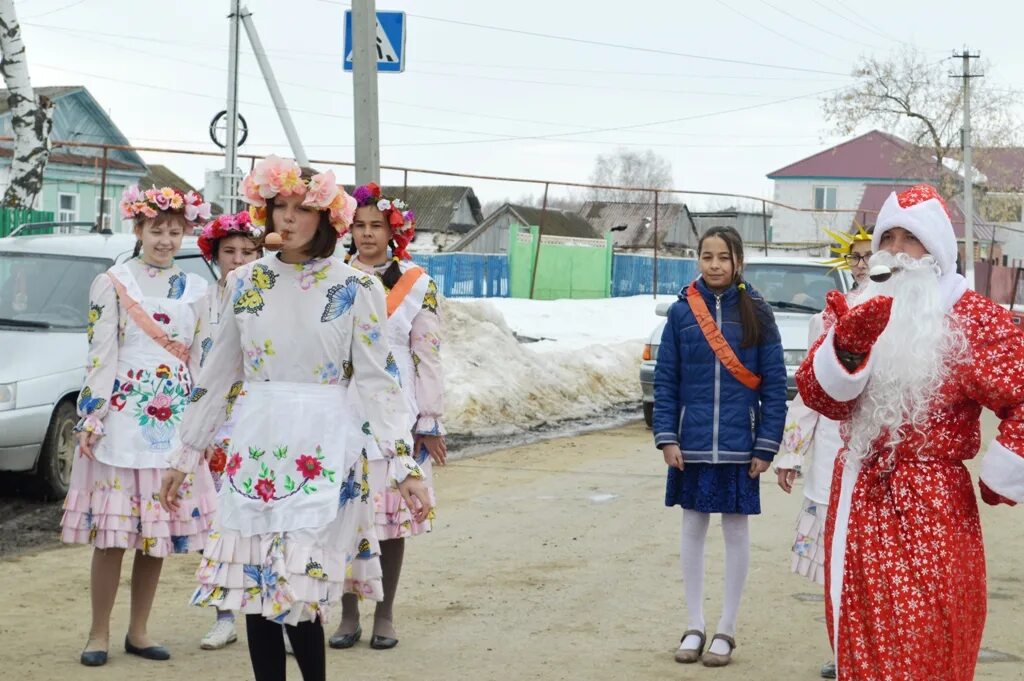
{"x": 77, "y": 160}
{"x": 435, "y": 206}
{"x": 48, "y": 91}
{"x": 876, "y": 194}
{"x": 161, "y": 176}
{"x": 1003, "y": 167}
{"x": 873, "y": 155}
{"x": 556, "y": 223}
{"x": 674, "y": 220}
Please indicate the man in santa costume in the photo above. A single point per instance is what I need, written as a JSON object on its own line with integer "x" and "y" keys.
{"x": 907, "y": 370}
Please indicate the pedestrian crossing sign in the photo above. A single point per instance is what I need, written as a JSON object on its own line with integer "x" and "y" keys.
{"x": 390, "y": 45}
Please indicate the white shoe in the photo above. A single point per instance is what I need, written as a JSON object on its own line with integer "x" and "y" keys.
{"x": 287, "y": 641}
{"x": 222, "y": 633}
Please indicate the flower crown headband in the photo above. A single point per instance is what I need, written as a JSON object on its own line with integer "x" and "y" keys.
{"x": 275, "y": 176}
{"x": 401, "y": 220}
{"x": 149, "y": 203}
{"x": 238, "y": 224}
{"x": 845, "y": 247}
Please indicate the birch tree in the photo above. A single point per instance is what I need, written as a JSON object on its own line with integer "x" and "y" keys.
{"x": 31, "y": 116}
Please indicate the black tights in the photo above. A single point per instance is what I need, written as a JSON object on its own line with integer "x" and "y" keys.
{"x": 266, "y": 649}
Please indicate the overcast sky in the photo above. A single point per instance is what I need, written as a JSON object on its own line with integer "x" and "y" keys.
{"x": 477, "y": 99}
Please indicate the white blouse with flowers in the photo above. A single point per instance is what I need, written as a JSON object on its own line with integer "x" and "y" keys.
{"x": 319, "y": 323}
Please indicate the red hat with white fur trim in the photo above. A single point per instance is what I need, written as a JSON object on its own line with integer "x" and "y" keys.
{"x": 921, "y": 211}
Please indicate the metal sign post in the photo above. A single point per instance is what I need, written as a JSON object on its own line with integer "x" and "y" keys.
{"x": 229, "y": 186}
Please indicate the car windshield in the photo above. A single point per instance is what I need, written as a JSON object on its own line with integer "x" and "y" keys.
{"x": 46, "y": 291}
{"x": 793, "y": 288}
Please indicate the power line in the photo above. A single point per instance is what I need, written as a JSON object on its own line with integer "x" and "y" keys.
{"x": 58, "y": 9}
{"x": 814, "y": 26}
{"x": 779, "y": 34}
{"x": 601, "y": 43}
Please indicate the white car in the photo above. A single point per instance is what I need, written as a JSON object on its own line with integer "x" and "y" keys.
{"x": 44, "y": 304}
{"x": 794, "y": 287}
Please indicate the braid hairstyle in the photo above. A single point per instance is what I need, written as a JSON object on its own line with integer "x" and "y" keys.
{"x": 749, "y": 318}
{"x": 390, "y": 276}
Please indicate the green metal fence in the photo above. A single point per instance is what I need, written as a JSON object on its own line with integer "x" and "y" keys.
{"x": 565, "y": 267}
{"x": 12, "y": 218}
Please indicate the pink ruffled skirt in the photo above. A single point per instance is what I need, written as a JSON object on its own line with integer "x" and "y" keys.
{"x": 113, "y": 507}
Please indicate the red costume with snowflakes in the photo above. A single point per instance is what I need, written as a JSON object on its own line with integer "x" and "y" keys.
{"x": 906, "y": 579}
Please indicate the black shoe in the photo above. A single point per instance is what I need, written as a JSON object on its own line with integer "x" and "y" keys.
{"x": 93, "y": 658}
{"x": 345, "y": 641}
{"x": 382, "y": 642}
{"x": 150, "y": 653}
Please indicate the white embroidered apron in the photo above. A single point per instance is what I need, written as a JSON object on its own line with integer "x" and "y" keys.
{"x": 152, "y": 386}
{"x": 291, "y": 450}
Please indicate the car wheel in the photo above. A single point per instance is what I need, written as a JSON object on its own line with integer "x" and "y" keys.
{"x": 649, "y": 414}
{"x": 53, "y": 472}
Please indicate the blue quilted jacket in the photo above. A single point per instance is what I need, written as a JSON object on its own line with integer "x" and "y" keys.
{"x": 699, "y": 405}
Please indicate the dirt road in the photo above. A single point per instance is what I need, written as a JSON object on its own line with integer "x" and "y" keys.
{"x": 555, "y": 560}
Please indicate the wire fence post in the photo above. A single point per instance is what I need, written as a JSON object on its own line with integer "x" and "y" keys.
{"x": 764, "y": 225}
{"x": 654, "y": 272}
{"x": 540, "y": 237}
{"x": 103, "y": 194}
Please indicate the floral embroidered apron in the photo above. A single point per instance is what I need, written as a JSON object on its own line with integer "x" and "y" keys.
{"x": 152, "y": 385}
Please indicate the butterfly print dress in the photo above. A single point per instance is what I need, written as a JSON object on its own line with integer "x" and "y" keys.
{"x": 305, "y": 340}
{"x": 134, "y": 395}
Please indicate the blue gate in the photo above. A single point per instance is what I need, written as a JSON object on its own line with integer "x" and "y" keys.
{"x": 467, "y": 275}
{"x": 633, "y": 275}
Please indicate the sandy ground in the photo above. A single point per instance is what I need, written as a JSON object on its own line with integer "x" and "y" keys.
{"x": 554, "y": 560}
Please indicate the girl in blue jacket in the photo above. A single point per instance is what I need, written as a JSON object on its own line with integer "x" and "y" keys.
{"x": 718, "y": 420}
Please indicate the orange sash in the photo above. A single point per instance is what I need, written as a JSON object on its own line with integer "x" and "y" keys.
{"x": 402, "y": 288}
{"x": 717, "y": 341}
{"x": 148, "y": 324}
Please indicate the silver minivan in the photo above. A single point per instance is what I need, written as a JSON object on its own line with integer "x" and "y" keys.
{"x": 44, "y": 305}
{"x": 794, "y": 287}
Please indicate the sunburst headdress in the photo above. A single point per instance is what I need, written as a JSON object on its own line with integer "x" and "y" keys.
{"x": 845, "y": 247}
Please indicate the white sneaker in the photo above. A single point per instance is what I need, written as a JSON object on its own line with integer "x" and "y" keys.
{"x": 287, "y": 641}
{"x": 222, "y": 633}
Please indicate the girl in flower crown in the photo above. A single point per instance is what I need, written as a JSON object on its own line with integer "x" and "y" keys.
{"x": 305, "y": 333}
{"x": 142, "y": 314}
{"x": 811, "y": 441}
{"x": 414, "y": 331}
{"x": 230, "y": 241}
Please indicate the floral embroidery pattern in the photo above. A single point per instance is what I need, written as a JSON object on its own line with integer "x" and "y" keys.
{"x": 309, "y": 468}
{"x": 257, "y": 355}
{"x": 329, "y": 373}
{"x": 312, "y": 273}
{"x": 370, "y": 331}
{"x": 251, "y": 299}
{"x": 95, "y": 312}
{"x": 232, "y": 396}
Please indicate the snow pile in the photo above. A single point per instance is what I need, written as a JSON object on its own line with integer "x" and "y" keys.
{"x": 496, "y": 385}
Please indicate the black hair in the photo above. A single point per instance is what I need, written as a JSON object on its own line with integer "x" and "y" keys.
{"x": 749, "y": 318}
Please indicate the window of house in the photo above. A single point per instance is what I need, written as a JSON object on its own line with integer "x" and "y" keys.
{"x": 108, "y": 207}
{"x": 824, "y": 198}
{"x": 67, "y": 207}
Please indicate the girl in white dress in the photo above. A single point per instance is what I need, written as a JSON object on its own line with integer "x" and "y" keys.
{"x": 230, "y": 241}
{"x": 414, "y": 331}
{"x": 300, "y": 330}
{"x": 142, "y": 315}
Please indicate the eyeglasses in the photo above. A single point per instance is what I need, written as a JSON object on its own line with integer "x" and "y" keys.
{"x": 853, "y": 258}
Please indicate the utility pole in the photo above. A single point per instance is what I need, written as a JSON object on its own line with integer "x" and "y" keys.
{"x": 229, "y": 188}
{"x": 965, "y": 138}
{"x": 364, "y": 72}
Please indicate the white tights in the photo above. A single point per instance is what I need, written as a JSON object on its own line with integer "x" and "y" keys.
{"x": 735, "y": 531}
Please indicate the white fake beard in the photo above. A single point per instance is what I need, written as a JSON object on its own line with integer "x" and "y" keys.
{"x": 911, "y": 360}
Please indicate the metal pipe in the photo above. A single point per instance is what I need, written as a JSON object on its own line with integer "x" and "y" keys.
{"x": 655, "y": 271}
{"x": 275, "y": 92}
{"x": 228, "y": 185}
{"x": 103, "y": 192}
{"x": 540, "y": 237}
{"x": 764, "y": 225}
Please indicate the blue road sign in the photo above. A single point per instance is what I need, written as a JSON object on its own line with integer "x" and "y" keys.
{"x": 390, "y": 41}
